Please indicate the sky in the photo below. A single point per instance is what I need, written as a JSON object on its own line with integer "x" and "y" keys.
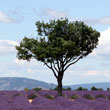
{"x": 17, "y": 20}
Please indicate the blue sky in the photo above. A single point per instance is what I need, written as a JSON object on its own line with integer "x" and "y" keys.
{"x": 18, "y": 18}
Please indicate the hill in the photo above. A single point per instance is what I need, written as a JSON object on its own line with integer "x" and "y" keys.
{"x": 103, "y": 85}
{"x": 18, "y": 83}
{"x": 14, "y": 83}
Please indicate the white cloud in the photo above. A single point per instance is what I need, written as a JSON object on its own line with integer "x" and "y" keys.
{"x": 107, "y": 75}
{"x": 29, "y": 70}
{"x": 7, "y": 47}
{"x": 10, "y": 42}
{"x": 0, "y": 69}
{"x": 54, "y": 13}
{"x": 20, "y": 62}
{"x": 92, "y": 72}
{"x": 105, "y": 37}
{"x": 103, "y": 48}
{"x": 98, "y": 75}
{"x": 103, "y": 20}
{"x": 5, "y": 18}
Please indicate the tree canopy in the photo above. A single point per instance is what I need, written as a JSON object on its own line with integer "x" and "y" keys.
{"x": 60, "y": 44}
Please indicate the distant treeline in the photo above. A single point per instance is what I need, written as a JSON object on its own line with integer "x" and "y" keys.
{"x": 84, "y": 89}
{"x": 68, "y": 88}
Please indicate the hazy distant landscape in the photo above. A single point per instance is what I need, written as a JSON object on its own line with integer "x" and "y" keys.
{"x": 15, "y": 83}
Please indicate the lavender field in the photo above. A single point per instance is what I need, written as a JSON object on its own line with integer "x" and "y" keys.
{"x": 45, "y": 100}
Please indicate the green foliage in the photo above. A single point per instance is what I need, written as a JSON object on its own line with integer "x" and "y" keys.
{"x": 81, "y": 89}
{"x": 26, "y": 89}
{"x": 36, "y": 89}
{"x": 32, "y": 96}
{"x": 49, "y": 96}
{"x": 56, "y": 88}
{"x": 94, "y": 88}
{"x": 63, "y": 39}
{"x": 89, "y": 96}
{"x": 17, "y": 94}
{"x": 101, "y": 96}
{"x": 64, "y": 95}
{"x": 74, "y": 96}
{"x": 68, "y": 88}
{"x": 100, "y": 89}
{"x": 108, "y": 89}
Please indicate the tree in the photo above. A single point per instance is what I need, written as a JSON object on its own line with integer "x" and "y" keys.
{"x": 60, "y": 44}
{"x": 94, "y": 88}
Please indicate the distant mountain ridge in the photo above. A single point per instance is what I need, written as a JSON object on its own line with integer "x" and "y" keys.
{"x": 103, "y": 85}
{"x": 18, "y": 83}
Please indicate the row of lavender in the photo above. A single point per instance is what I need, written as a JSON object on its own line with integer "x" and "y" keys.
{"x": 44, "y": 100}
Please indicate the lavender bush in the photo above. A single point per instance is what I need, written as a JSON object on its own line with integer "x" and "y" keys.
{"x": 18, "y": 100}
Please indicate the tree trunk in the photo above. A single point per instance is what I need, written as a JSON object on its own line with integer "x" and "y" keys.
{"x": 59, "y": 92}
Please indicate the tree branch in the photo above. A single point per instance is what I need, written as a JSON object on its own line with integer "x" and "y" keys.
{"x": 58, "y": 65}
{"x": 51, "y": 69}
{"x": 72, "y": 63}
{"x": 67, "y": 61}
{"x": 55, "y": 67}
